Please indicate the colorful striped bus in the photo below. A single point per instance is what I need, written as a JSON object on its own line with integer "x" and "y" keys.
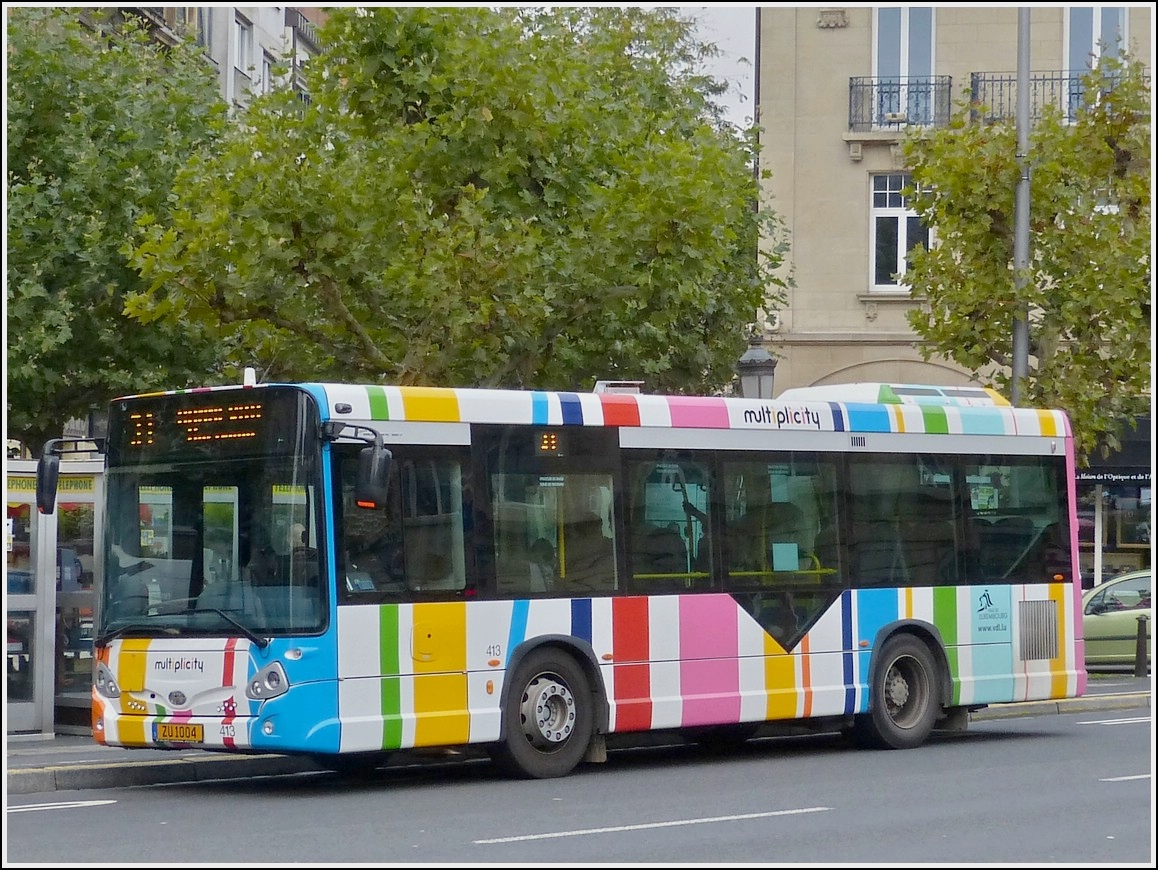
{"x": 344, "y": 571}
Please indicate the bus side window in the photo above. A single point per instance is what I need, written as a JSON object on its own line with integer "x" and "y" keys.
{"x": 432, "y": 525}
{"x": 669, "y": 522}
{"x": 587, "y": 544}
{"x": 370, "y": 559}
{"x": 790, "y": 543}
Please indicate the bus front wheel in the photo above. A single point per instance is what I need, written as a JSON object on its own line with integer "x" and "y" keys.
{"x": 904, "y": 701}
{"x": 549, "y": 717}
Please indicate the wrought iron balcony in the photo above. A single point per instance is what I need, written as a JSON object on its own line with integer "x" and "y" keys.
{"x": 994, "y": 95}
{"x": 895, "y": 102}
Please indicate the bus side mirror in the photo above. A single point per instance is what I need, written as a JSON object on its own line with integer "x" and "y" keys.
{"x": 373, "y": 485}
{"x": 47, "y": 476}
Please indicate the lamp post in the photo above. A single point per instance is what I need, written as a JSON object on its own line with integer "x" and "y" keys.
{"x": 757, "y": 371}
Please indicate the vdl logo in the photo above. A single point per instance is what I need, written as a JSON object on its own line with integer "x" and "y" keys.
{"x": 991, "y": 616}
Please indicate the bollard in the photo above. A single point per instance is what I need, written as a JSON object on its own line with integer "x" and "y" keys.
{"x": 1141, "y": 654}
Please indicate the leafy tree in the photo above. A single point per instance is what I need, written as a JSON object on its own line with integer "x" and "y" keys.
{"x": 99, "y": 120}
{"x": 1088, "y": 288}
{"x": 494, "y": 197}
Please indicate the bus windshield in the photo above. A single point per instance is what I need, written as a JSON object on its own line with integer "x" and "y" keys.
{"x": 213, "y": 523}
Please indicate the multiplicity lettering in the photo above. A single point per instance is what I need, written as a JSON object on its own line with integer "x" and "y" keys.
{"x": 176, "y": 664}
{"x": 782, "y": 417}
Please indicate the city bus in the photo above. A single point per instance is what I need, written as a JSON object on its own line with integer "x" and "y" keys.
{"x": 345, "y": 571}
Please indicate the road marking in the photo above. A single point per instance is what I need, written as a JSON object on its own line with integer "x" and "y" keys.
{"x": 1126, "y": 778}
{"x": 66, "y": 805}
{"x": 1133, "y": 720}
{"x": 618, "y": 828}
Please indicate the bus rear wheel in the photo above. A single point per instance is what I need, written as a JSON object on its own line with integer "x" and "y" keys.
{"x": 549, "y": 717}
{"x": 904, "y": 701}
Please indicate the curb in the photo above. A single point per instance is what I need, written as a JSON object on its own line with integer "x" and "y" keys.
{"x": 35, "y": 780}
{"x": 1086, "y": 704}
{"x": 130, "y": 773}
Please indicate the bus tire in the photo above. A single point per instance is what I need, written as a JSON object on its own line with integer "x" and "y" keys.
{"x": 549, "y": 717}
{"x": 903, "y": 698}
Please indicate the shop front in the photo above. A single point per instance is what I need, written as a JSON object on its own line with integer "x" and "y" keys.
{"x": 1115, "y": 509}
{"x": 49, "y": 601}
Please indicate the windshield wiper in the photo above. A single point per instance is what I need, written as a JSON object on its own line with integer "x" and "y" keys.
{"x": 172, "y": 630}
{"x": 262, "y": 642}
{"x": 102, "y": 639}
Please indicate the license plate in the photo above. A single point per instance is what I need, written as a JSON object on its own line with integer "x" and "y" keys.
{"x": 178, "y": 732}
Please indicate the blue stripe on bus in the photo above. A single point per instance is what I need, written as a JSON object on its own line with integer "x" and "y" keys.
{"x": 875, "y": 608}
{"x": 539, "y": 407}
{"x": 520, "y": 610}
{"x": 847, "y": 664}
{"x": 868, "y": 418}
{"x": 572, "y": 410}
{"x": 581, "y": 618}
{"x": 981, "y": 421}
{"x": 838, "y": 424}
{"x": 320, "y": 397}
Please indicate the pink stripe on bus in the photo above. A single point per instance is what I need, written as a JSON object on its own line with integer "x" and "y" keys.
{"x": 709, "y": 671}
{"x": 698, "y": 412}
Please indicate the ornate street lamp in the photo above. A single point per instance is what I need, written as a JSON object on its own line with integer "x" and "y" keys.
{"x": 757, "y": 371}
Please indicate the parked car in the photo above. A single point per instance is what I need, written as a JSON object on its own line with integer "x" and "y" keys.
{"x": 1110, "y": 614}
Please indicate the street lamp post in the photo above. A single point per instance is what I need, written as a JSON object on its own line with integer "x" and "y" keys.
{"x": 757, "y": 371}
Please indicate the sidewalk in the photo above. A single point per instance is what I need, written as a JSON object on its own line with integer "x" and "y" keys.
{"x": 45, "y": 763}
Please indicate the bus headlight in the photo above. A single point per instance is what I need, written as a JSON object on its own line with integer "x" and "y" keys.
{"x": 105, "y": 682}
{"x": 267, "y": 683}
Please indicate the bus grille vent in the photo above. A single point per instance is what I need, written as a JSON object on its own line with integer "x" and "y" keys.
{"x": 857, "y": 440}
{"x": 1038, "y": 624}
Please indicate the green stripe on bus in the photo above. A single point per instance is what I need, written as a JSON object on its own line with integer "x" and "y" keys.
{"x": 936, "y": 423}
{"x": 945, "y": 618}
{"x": 391, "y": 686}
{"x": 379, "y": 409}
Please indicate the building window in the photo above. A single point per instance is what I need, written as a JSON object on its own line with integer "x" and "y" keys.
{"x": 895, "y": 229}
{"x": 903, "y": 65}
{"x": 266, "y": 72}
{"x": 205, "y": 27}
{"x": 244, "y": 45}
{"x": 1091, "y": 33}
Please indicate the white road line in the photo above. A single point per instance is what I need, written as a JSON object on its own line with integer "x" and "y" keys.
{"x": 1126, "y": 778}
{"x": 66, "y": 805}
{"x": 1133, "y": 720}
{"x": 675, "y": 824}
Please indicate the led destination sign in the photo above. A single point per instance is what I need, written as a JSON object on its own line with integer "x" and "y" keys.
{"x": 211, "y": 423}
{"x": 206, "y": 423}
{"x": 220, "y": 422}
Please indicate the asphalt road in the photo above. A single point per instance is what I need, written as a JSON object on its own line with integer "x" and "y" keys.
{"x": 41, "y": 763}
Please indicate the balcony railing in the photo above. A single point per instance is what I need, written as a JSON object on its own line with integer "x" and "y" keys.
{"x": 896, "y": 102}
{"x": 994, "y": 95}
{"x": 303, "y": 28}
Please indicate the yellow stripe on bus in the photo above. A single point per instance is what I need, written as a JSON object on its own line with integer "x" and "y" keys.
{"x": 430, "y": 403}
{"x": 1047, "y": 420}
{"x": 438, "y": 650}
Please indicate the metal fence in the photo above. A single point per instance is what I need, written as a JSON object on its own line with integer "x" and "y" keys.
{"x": 895, "y": 102}
{"x": 994, "y": 95}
